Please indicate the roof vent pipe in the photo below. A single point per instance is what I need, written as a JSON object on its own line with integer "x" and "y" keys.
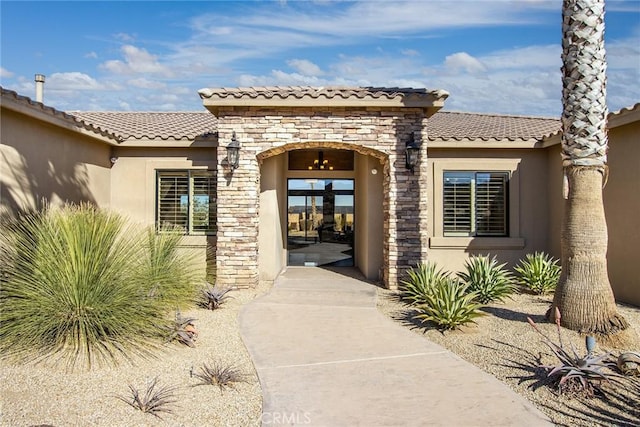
{"x": 39, "y": 87}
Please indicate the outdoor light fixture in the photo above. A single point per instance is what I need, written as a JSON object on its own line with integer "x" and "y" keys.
{"x": 233, "y": 152}
{"x": 411, "y": 152}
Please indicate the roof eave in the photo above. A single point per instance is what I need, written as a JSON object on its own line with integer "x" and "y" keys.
{"x": 430, "y": 102}
{"x": 52, "y": 116}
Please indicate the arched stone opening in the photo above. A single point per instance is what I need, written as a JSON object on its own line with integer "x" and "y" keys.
{"x": 367, "y": 222}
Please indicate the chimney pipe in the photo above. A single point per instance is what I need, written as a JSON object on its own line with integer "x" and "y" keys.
{"x": 39, "y": 87}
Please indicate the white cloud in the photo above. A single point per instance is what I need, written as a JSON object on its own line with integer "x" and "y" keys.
{"x": 305, "y": 67}
{"x": 410, "y": 52}
{"x": 136, "y": 60}
{"x": 91, "y": 55}
{"x": 4, "y": 73}
{"x": 124, "y": 37}
{"x": 147, "y": 84}
{"x": 462, "y": 61}
{"x": 74, "y": 81}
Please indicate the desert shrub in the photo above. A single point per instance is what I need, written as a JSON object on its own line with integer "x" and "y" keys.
{"x": 573, "y": 373}
{"x": 488, "y": 279}
{"x": 212, "y": 297}
{"x": 154, "y": 399}
{"x": 76, "y": 287}
{"x": 420, "y": 282}
{"x": 219, "y": 375}
{"x": 449, "y": 304}
{"x": 182, "y": 330}
{"x": 167, "y": 269}
{"x": 539, "y": 273}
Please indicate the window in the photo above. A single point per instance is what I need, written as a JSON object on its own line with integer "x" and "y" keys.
{"x": 187, "y": 199}
{"x": 475, "y": 203}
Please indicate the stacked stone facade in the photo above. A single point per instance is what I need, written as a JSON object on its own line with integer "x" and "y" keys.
{"x": 380, "y": 132}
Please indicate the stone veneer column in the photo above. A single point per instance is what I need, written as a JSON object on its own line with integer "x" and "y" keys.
{"x": 237, "y": 219}
{"x": 259, "y": 130}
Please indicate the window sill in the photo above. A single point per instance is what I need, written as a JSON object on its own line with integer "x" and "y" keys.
{"x": 477, "y": 242}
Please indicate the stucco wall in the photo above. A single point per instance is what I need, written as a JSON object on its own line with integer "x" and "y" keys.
{"x": 528, "y": 205}
{"x": 272, "y": 236}
{"x": 622, "y": 209}
{"x": 133, "y": 184}
{"x": 621, "y": 198}
{"x": 42, "y": 161}
{"x": 369, "y": 214}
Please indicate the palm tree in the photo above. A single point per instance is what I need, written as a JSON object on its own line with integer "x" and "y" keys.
{"x": 584, "y": 295}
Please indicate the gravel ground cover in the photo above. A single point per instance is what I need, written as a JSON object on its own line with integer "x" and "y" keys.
{"x": 45, "y": 394}
{"x": 505, "y": 345}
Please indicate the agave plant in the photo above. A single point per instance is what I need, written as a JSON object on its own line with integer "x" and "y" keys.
{"x": 449, "y": 305}
{"x": 538, "y": 272}
{"x": 219, "y": 375}
{"x": 154, "y": 400}
{"x": 183, "y": 330}
{"x": 421, "y": 282}
{"x": 488, "y": 279}
{"x": 576, "y": 373}
{"x": 213, "y": 297}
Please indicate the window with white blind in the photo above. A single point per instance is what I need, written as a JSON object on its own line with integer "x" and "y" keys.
{"x": 187, "y": 199}
{"x": 475, "y": 203}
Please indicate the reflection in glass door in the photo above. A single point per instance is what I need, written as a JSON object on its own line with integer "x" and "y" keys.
{"x": 321, "y": 222}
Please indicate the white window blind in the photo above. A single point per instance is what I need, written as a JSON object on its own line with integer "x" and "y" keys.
{"x": 186, "y": 199}
{"x": 475, "y": 203}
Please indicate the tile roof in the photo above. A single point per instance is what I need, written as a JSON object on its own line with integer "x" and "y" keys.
{"x": 39, "y": 107}
{"x": 329, "y": 92}
{"x": 185, "y": 125}
{"x": 445, "y": 125}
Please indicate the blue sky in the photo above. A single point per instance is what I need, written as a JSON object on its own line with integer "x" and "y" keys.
{"x": 491, "y": 56}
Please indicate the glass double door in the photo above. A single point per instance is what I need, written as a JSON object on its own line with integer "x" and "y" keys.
{"x": 320, "y": 222}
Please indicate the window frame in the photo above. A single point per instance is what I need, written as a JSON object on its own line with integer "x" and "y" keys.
{"x": 191, "y": 174}
{"x": 512, "y": 240}
{"x": 474, "y": 200}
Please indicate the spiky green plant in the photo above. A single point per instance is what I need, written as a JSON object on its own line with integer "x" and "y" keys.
{"x": 168, "y": 269}
{"x": 449, "y": 305}
{"x": 575, "y": 373}
{"x": 420, "y": 282}
{"x": 73, "y": 288}
{"x": 219, "y": 375}
{"x": 154, "y": 400}
{"x": 538, "y": 272}
{"x": 488, "y": 279}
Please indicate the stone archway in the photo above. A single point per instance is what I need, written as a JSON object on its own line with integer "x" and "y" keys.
{"x": 371, "y": 240}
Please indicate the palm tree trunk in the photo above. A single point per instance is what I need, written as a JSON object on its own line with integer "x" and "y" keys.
{"x": 584, "y": 295}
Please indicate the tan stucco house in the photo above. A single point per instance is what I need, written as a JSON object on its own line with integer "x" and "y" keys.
{"x": 374, "y": 178}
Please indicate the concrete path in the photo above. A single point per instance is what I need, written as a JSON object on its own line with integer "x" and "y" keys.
{"x": 325, "y": 356}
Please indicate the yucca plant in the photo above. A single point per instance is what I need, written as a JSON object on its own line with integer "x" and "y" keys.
{"x": 488, "y": 279}
{"x": 219, "y": 375}
{"x": 420, "y": 282}
{"x": 576, "y": 373}
{"x": 73, "y": 287}
{"x": 212, "y": 297}
{"x": 168, "y": 269}
{"x": 449, "y": 305}
{"x": 539, "y": 273}
{"x": 154, "y": 400}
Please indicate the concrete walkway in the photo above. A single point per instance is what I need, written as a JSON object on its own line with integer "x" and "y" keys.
{"x": 325, "y": 356}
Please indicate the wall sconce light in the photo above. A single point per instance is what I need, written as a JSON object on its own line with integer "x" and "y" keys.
{"x": 412, "y": 151}
{"x": 233, "y": 152}
{"x": 113, "y": 160}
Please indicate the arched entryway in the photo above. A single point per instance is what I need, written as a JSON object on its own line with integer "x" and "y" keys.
{"x": 322, "y": 204}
